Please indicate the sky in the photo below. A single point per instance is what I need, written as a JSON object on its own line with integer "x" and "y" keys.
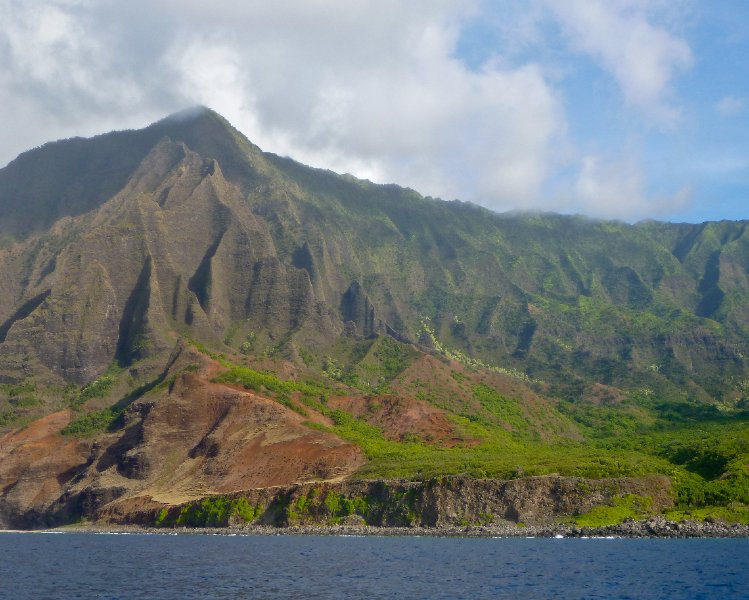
{"x": 617, "y": 109}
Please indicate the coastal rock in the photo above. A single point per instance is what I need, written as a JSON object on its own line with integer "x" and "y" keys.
{"x": 436, "y": 503}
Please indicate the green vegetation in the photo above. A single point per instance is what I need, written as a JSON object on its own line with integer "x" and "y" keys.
{"x": 368, "y": 365}
{"x": 633, "y": 337}
{"x": 733, "y": 513}
{"x": 706, "y": 461}
{"x": 499, "y": 454}
{"x": 110, "y": 418}
{"x": 203, "y": 349}
{"x": 20, "y": 403}
{"x": 12, "y": 419}
{"x": 385, "y": 360}
{"x": 215, "y": 511}
{"x": 16, "y": 397}
{"x": 469, "y": 361}
{"x": 629, "y": 506}
{"x": 167, "y": 382}
{"x": 94, "y": 422}
{"x": 16, "y": 390}
{"x": 267, "y": 383}
{"x": 708, "y": 458}
{"x": 308, "y": 358}
{"x": 98, "y": 388}
{"x": 248, "y": 345}
{"x": 502, "y": 408}
{"x": 327, "y": 505}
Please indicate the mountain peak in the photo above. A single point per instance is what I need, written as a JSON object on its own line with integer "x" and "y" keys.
{"x": 190, "y": 113}
{"x": 209, "y": 134}
{"x": 76, "y": 175}
{"x": 194, "y": 120}
{"x": 196, "y": 116}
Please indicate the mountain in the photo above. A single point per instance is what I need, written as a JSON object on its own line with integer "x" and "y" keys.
{"x": 173, "y": 301}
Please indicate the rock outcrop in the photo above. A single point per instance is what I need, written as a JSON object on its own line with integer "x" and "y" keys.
{"x": 189, "y": 438}
{"x": 435, "y": 503}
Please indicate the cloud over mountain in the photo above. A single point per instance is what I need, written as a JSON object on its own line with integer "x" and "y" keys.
{"x": 377, "y": 89}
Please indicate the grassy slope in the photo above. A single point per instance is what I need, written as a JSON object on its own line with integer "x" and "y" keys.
{"x": 706, "y": 455}
{"x": 565, "y": 299}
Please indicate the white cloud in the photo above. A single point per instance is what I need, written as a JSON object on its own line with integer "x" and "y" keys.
{"x": 730, "y": 106}
{"x": 51, "y": 59}
{"x": 381, "y": 95}
{"x": 624, "y": 38}
{"x": 371, "y": 88}
{"x": 367, "y": 87}
{"x": 617, "y": 188}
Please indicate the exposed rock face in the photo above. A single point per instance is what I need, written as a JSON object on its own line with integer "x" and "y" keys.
{"x": 111, "y": 243}
{"x": 358, "y": 310}
{"x": 435, "y": 503}
{"x": 112, "y": 248}
{"x": 223, "y": 439}
{"x": 36, "y": 465}
{"x": 178, "y": 246}
{"x": 192, "y": 438}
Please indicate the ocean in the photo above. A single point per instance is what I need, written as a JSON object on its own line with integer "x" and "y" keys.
{"x": 190, "y": 566}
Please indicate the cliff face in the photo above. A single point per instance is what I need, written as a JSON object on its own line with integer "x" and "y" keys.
{"x": 436, "y": 326}
{"x": 442, "y": 502}
{"x": 111, "y": 243}
{"x": 177, "y": 247}
{"x": 36, "y": 465}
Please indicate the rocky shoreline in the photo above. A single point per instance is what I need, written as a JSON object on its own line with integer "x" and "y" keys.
{"x": 654, "y": 527}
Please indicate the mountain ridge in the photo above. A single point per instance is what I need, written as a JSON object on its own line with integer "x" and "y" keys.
{"x": 397, "y": 324}
{"x": 286, "y": 194}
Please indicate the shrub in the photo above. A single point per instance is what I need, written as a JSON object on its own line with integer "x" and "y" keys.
{"x": 216, "y": 511}
{"x": 98, "y": 388}
{"x": 93, "y": 422}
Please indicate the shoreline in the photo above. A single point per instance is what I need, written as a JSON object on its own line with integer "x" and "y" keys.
{"x": 652, "y": 528}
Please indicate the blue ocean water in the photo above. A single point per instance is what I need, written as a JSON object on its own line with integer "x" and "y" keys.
{"x": 125, "y": 567}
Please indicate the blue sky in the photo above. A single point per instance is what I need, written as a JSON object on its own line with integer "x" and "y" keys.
{"x": 703, "y": 151}
{"x": 627, "y": 109}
